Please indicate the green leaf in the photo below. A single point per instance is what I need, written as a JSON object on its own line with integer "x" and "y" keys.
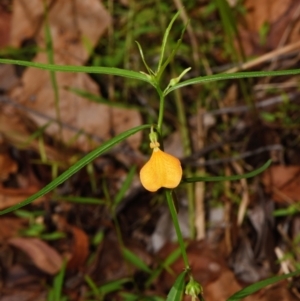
{"x": 224, "y": 76}
{"x": 135, "y": 260}
{"x": 77, "y": 166}
{"x": 80, "y": 200}
{"x": 164, "y": 42}
{"x": 86, "y": 69}
{"x": 165, "y": 265}
{"x": 150, "y": 72}
{"x": 177, "y": 289}
{"x": 171, "y": 56}
{"x": 56, "y": 292}
{"x": 228, "y": 19}
{"x": 259, "y": 285}
{"x": 125, "y": 186}
{"x": 229, "y": 178}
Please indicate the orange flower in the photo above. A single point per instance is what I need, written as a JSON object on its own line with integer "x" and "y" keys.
{"x": 162, "y": 170}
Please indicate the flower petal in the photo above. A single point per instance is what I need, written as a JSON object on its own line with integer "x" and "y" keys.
{"x": 162, "y": 170}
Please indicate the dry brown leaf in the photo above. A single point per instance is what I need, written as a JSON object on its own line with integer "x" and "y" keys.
{"x": 275, "y": 13}
{"x": 41, "y": 254}
{"x": 10, "y": 226}
{"x": 80, "y": 248}
{"x": 70, "y": 22}
{"x": 86, "y": 20}
{"x": 283, "y": 182}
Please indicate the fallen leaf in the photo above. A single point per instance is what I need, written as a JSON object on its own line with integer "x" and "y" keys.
{"x": 80, "y": 248}
{"x": 276, "y": 14}
{"x": 283, "y": 183}
{"x": 10, "y": 226}
{"x": 87, "y": 21}
{"x": 41, "y": 254}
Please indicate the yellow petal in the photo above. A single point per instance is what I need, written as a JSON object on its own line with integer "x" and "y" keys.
{"x": 162, "y": 170}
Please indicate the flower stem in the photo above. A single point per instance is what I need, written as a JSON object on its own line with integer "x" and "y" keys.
{"x": 173, "y": 212}
{"x": 161, "y": 110}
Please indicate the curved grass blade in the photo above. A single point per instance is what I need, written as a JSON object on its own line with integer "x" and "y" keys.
{"x": 229, "y": 178}
{"x": 135, "y": 260}
{"x": 177, "y": 289}
{"x": 164, "y": 42}
{"x": 224, "y": 76}
{"x": 85, "y": 69}
{"x": 77, "y": 166}
{"x": 253, "y": 288}
{"x": 125, "y": 186}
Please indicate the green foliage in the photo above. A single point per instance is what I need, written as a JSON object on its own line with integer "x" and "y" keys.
{"x": 55, "y": 293}
{"x": 153, "y": 78}
{"x": 177, "y": 289}
{"x": 77, "y": 166}
{"x": 36, "y": 227}
{"x": 135, "y": 260}
{"x": 253, "y": 288}
{"x": 229, "y": 178}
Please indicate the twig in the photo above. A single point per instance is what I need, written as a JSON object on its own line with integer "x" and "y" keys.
{"x": 266, "y": 57}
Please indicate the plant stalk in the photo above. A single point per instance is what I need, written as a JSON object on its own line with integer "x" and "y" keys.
{"x": 173, "y": 212}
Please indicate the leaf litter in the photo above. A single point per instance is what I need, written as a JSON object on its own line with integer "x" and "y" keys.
{"x": 232, "y": 255}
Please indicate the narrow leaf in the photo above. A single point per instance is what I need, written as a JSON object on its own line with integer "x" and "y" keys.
{"x": 125, "y": 185}
{"x": 229, "y": 178}
{"x": 77, "y": 166}
{"x": 164, "y": 42}
{"x": 150, "y": 72}
{"x": 85, "y": 69}
{"x": 177, "y": 289}
{"x": 135, "y": 260}
{"x": 224, "y": 76}
{"x": 171, "y": 56}
{"x": 259, "y": 285}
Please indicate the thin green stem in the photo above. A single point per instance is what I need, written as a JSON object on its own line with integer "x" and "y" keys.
{"x": 161, "y": 110}
{"x": 173, "y": 212}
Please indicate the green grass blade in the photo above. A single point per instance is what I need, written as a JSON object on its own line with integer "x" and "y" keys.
{"x": 225, "y": 76}
{"x": 55, "y": 294}
{"x": 249, "y": 290}
{"x": 125, "y": 186}
{"x": 135, "y": 260}
{"x": 77, "y": 166}
{"x": 165, "y": 265}
{"x": 85, "y": 69}
{"x": 164, "y": 42}
{"x": 113, "y": 286}
{"x": 173, "y": 53}
{"x": 150, "y": 72}
{"x": 227, "y": 18}
{"x": 229, "y": 178}
{"x": 177, "y": 289}
{"x": 50, "y": 55}
{"x": 80, "y": 200}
